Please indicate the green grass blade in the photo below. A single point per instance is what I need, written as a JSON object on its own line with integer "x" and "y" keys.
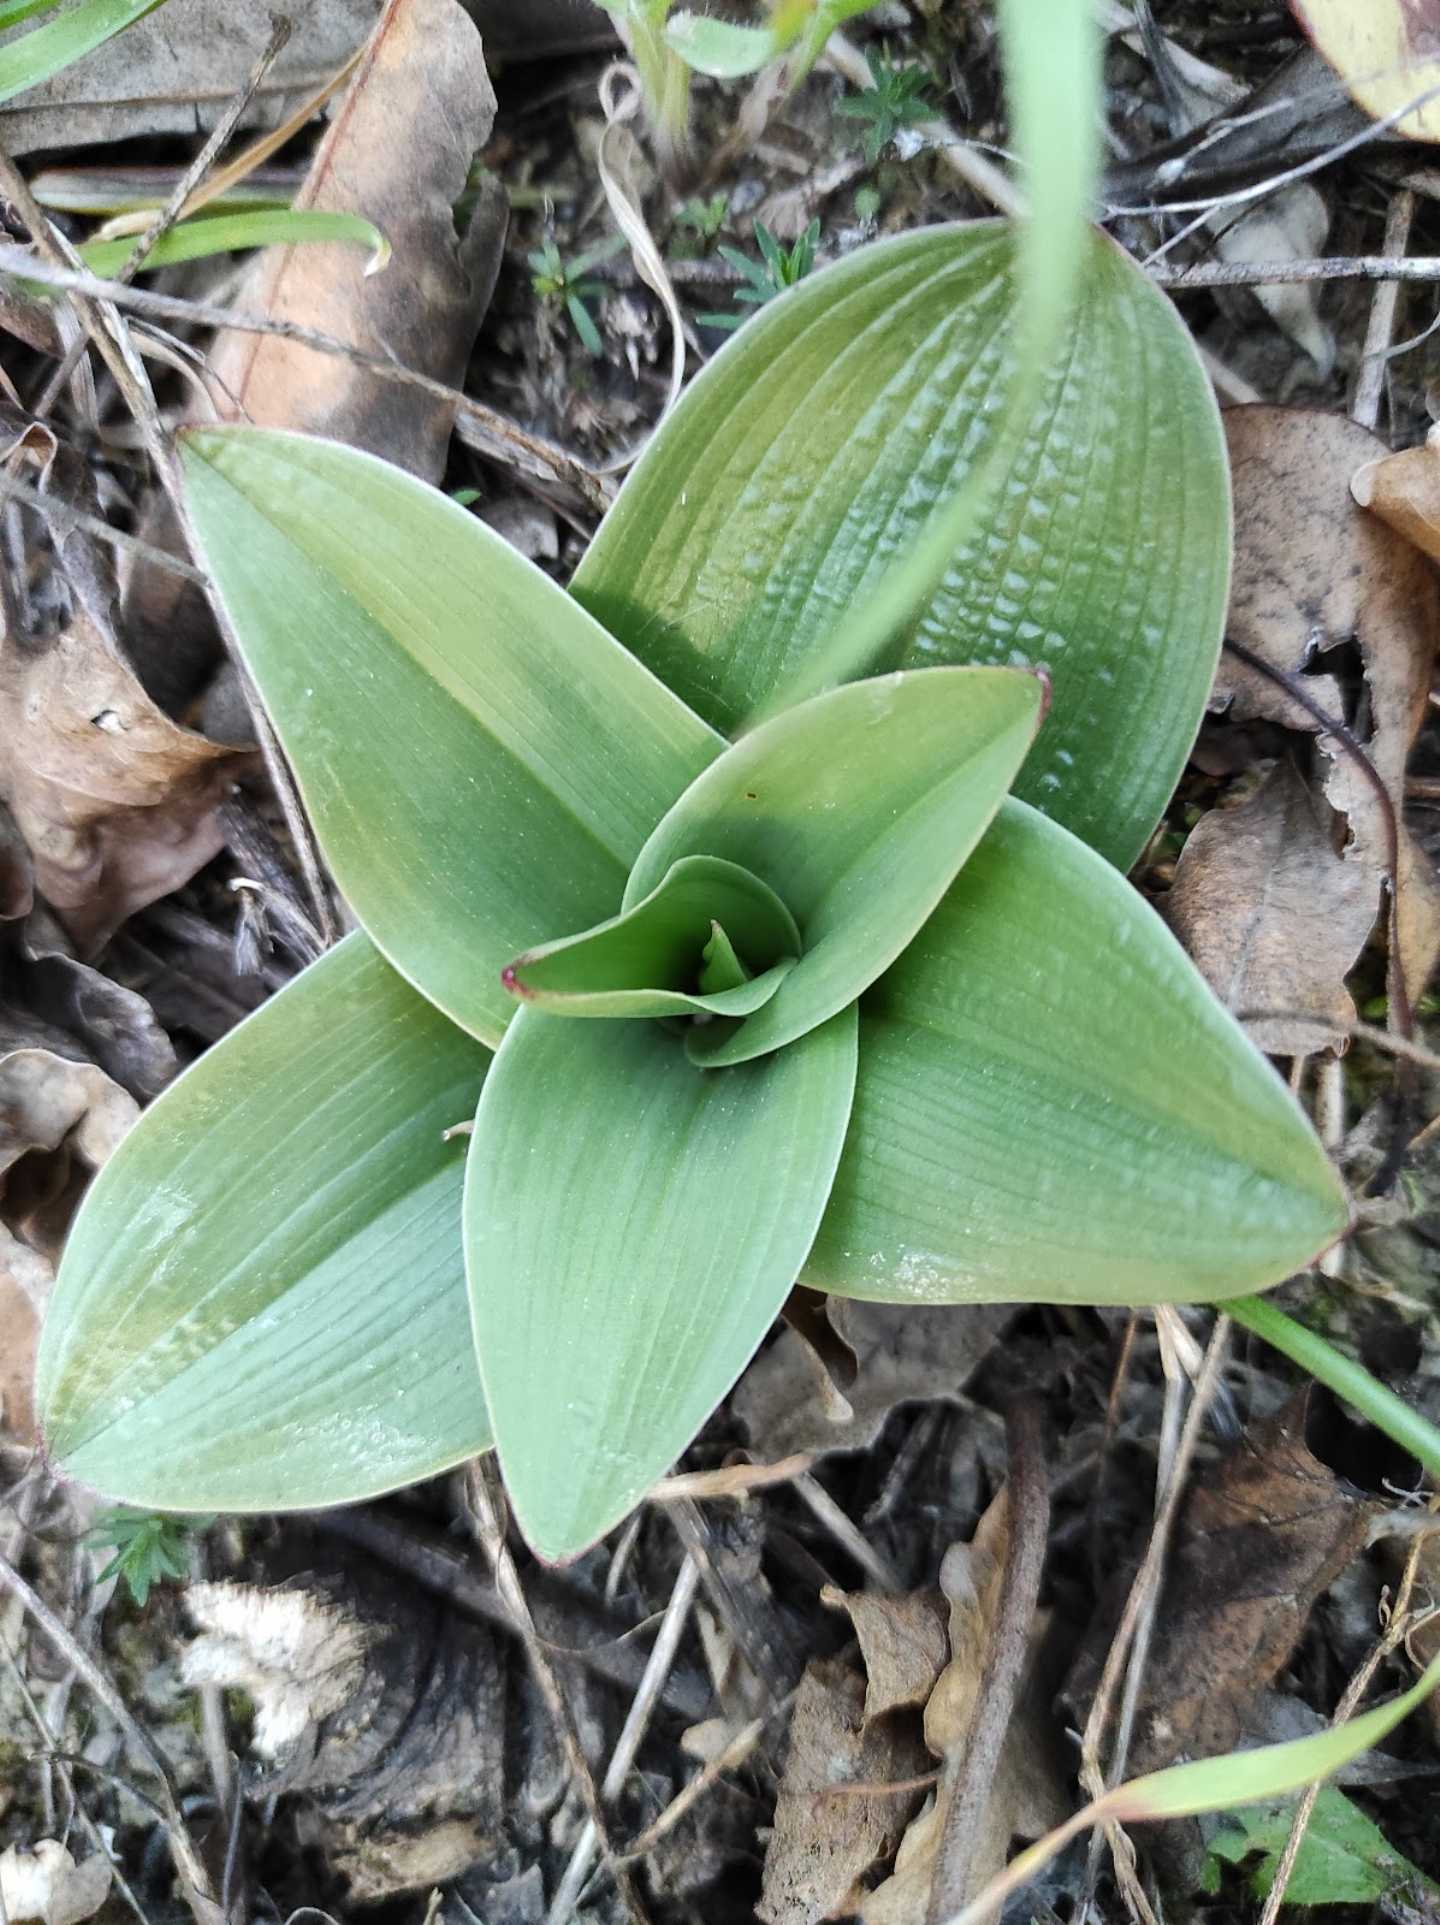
{"x": 198, "y": 240}
{"x": 45, "y": 51}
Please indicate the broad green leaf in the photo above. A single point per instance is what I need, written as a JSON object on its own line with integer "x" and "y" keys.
{"x": 1052, "y": 1107}
{"x": 721, "y": 48}
{"x": 262, "y": 1301}
{"x": 481, "y": 761}
{"x": 858, "y": 808}
{"x": 12, "y": 12}
{"x": 1345, "y": 1859}
{"x": 197, "y": 240}
{"x": 649, "y": 961}
{"x": 808, "y": 453}
{"x": 44, "y": 51}
{"x": 632, "y": 1227}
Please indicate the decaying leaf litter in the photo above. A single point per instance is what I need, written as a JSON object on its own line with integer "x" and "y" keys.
{"x": 372, "y": 1723}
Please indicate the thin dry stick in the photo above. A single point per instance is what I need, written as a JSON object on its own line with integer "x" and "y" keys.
{"x": 1147, "y": 1578}
{"x": 730, "y": 1759}
{"x": 193, "y": 1875}
{"x": 98, "y": 316}
{"x": 558, "y": 462}
{"x": 1337, "y": 267}
{"x": 487, "y": 1514}
{"x": 840, "y": 1527}
{"x": 1365, "y": 408}
{"x": 176, "y": 205}
{"x": 731, "y": 1480}
{"x": 62, "y": 1766}
{"x": 1027, "y": 1518}
{"x": 63, "y": 516}
{"x": 637, "y": 1721}
{"x": 1399, "y": 1629}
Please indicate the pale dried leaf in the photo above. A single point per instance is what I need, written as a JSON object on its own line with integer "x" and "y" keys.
{"x": 788, "y": 1399}
{"x": 1314, "y": 571}
{"x": 1273, "y": 915}
{"x": 1292, "y": 225}
{"x": 903, "y": 1643}
{"x": 26, "y": 1278}
{"x": 828, "y": 1833}
{"x": 115, "y": 801}
{"x": 44, "y": 1882}
{"x": 1386, "y": 51}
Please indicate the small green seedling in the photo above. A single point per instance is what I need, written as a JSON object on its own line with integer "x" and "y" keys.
{"x": 777, "y": 269}
{"x": 704, "y": 218}
{"x": 899, "y": 98}
{"x": 556, "y": 279}
{"x": 148, "y": 1548}
{"x": 47, "y": 50}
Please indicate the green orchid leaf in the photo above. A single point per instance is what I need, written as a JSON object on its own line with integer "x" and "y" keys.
{"x": 632, "y": 1227}
{"x": 650, "y": 960}
{"x": 721, "y": 48}
{"x": 720, "y": 966}
{"x": 198, "y": 240}
{"x": 1052, "y": 1107}
{"x": 44, "y": 51}
{"x": 857, "y": 808}
{"x": 481, "y": 761}
{"x": 262, "y": 1301}
{"x": 809, "y": 452}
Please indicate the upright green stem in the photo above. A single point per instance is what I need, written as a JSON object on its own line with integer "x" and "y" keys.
{"x": 1351, "y": 1381}
{"x": 665, "y": 81}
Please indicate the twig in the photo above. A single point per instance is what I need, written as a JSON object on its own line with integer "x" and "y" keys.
{"x": 846, "y": 1535}
{"x": 193, "y": 1875}
{"x": 556, "y": 461}
{"x": 731, "y": 1480}
{"x": 171, "y": 212}
{"x": 733, "y": 1756}
{"x": 1027, "y": 1518}
{"x": 662, "y": 1656}
{"x": 1395, "y": 1635}
{"x": 65, "y": 517}
{"x": 1337, "y": 267}
{"x": 487, "y": 1514}
{"x": 1365, "y": 408}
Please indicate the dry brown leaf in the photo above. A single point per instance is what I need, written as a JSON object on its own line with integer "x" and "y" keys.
{"x": 903, "y": 1644}
{"x": 1386, "y": 51}
{"x": 59, "y": 1121}
{"x": 1313, "y": 571}
{"x": 418, "y": 108}
{"x": 115, "y": 801}
{"x": 176, "y": 72}
{"x": 398, "y": 152}
{"x": 1403, "y": 489}
{"x": 1261, "y": 1536}
{"x": 829, "y": 1834}
{"x": 1273, "y": 915}
{"x": 789, "y": 1400}
{"x": 1027, "y": 1795}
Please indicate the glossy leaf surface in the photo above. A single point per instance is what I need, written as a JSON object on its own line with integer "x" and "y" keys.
{"x": 262, "y": 1301}
{"x": 1052, "y": 1107}
{"x": 649, "y": 961}
{"x": 632, "y": 1227}
{"x": 858, "y": 808}
{"x": 481, "y": 762}
{"x": 809, "y": 453}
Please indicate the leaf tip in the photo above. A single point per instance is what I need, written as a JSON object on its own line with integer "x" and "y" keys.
{"x": 511, "y": 983}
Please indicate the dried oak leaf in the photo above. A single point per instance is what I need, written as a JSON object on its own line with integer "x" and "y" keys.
{"x": 903, "y": 1644}
{"x": 831, "y": 1828}
{"x": 1027, "y": 1794}
{"x": 59, "y": 1121}
{"x": 1274, "y": 915}
{"x": 114, "y": 800}
{"x": 789, "y": 1399}
{"x": 1260, "y": 1537}
{"x": 1312, "y": 572}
